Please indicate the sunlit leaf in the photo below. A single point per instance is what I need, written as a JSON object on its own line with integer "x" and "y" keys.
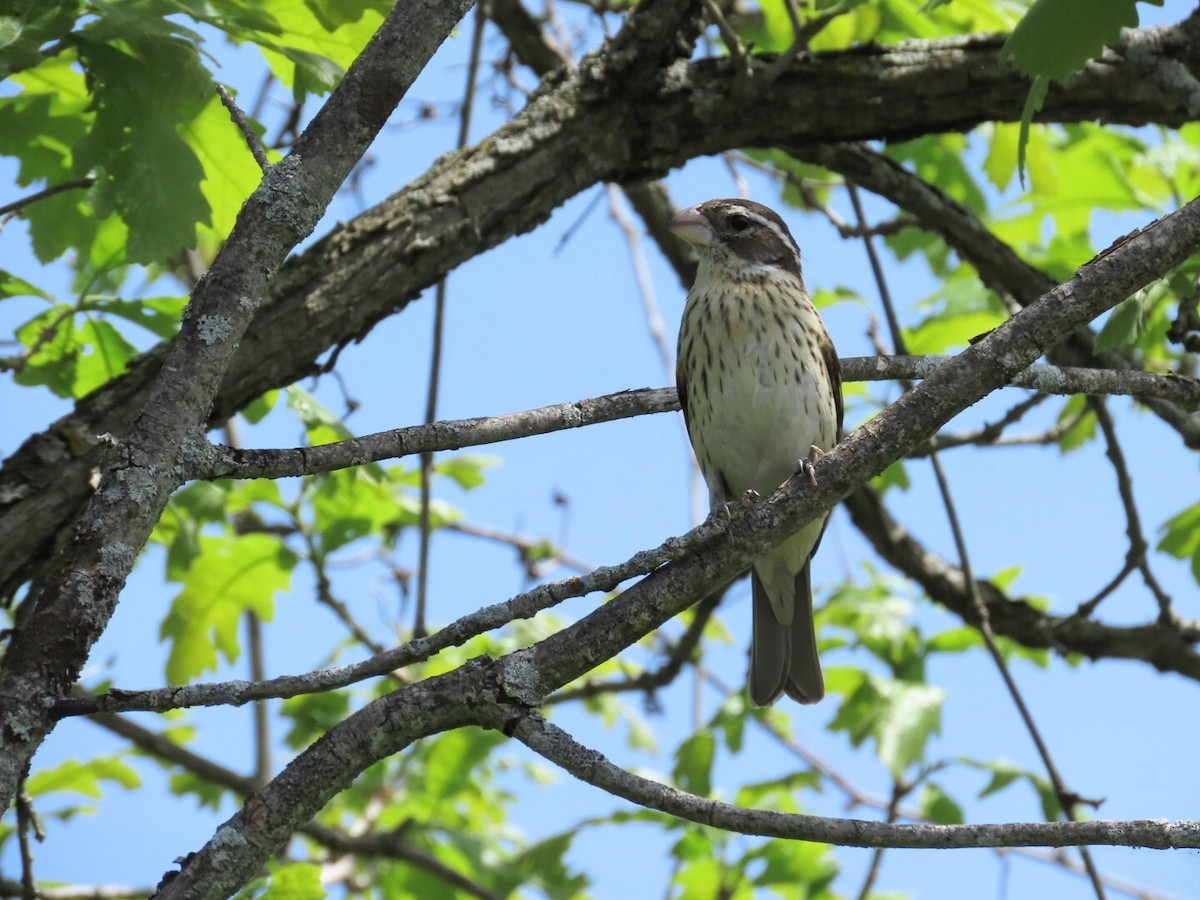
{"x": 1123, "y": 325}
{"x": 900, "y": 717}
{"x": 693, "y": 763}
{"x": 83, "y": 777}
{"x": 239, "y": 574}
{"x": 939, "y": 807}
{"x": 295, "y": 881}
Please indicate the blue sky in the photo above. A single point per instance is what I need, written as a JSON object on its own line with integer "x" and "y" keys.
{"x": 541, "y": 320}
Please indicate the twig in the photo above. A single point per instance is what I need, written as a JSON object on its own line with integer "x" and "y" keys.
{"x": 856, "y": 797}
{"x": 1138, "y": 544}
{"x": 257, "y": 662}
{"x": 738, "y": 52}
{"x": 899, "y": 791}
{"x": 26, "y": 824}
{"x": 243, "y": 124}
{"x": 522, "y": 606}
{"x": 10, "y": 888}
{"x": 678, "y": 653}
{"x": 18, "y": 205}
{"x": 524, "y": 546}
{"x": 435, "y": 359}
{"x": 645, "y": 284}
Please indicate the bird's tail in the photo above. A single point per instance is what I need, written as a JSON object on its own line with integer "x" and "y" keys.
{"x": 783, "y": 658}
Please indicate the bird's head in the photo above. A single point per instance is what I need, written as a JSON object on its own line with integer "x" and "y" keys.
{"x": 738, "y": 238}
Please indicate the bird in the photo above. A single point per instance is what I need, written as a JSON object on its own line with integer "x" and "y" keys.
{"x": 760, "y": 387}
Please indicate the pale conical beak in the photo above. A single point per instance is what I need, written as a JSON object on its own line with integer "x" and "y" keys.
{"x": 691, "y": 225}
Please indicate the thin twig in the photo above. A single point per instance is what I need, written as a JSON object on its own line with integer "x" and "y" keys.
{"x": 899, "y": 792}
{"x": 18, "y": 205}
{"x": 522, "y": 606}
{"x": 26, "y": 825}
{"x": 678, "y": 653}
{"x": 738, "y": 52}
{"x": 645, "y": 283}
{"x": 527, "y": 548}
{"x": 1138, "y": 544}
{"x": 592, "y": 767}
{"x": 258, "y": 667}
{"x": 435, "y": 361}
{"x": 248, "y": 133}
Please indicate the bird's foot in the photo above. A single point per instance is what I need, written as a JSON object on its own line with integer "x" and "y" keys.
{"x": 749, "y": 498}
{"x": 805, "y": 466}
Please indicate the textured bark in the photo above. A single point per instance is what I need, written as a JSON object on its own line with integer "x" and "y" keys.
{"x": 582, "y": 128}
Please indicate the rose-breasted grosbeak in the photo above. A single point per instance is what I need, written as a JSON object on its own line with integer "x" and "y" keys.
{"x": 760, "y": 386}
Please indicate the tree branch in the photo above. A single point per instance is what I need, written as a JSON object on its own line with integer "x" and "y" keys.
{"x": 551, "y": 742}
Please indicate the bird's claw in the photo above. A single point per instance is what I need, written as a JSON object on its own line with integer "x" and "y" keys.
{"x": 749, "y": 498}
{"x": 805, "y": 466}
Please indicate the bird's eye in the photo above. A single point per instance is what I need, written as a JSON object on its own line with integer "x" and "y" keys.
{"x": 738, "y": 222}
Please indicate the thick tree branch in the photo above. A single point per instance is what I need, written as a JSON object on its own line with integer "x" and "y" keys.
{"x": 573, "y": 134}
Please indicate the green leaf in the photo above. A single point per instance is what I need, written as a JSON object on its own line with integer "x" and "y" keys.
{"x": 139, "y": 158}
{"x": 258, "y": 408}
{"x": 312, "y": 715}
{"x": 295, "y": 881}
{"x": 899, "y": 716}
{"x": 954, "y": 640}
{"x": 349, "y": 505}
{"x": 158, "y": 315}
{"x": 939, "y": 807}
{"x": 1033, "y": 102}
{"x": 1057, "y": 37}
{"x": 795, "y": 863}
{"x": 207, "y": 793}
{"x": 454, "y": 763}
{"x": 693, "y": 763}
{"x": 543, "y": 865}
{"x": 27, "y": 25}
{"x": 1124, "y": 325}
{"x": 1181, "y": 533}
{"x": 232, "y": 575}
{"x": 322, "y": 426}
{"x": 1083, "y": 424}
{"x": 40, "y": 127}
{"x": 318, "y": 40}
{"x": 466, "y": 470}
{"x": 230, "y": 171}
{"x": 83, "y": 778}
{"x": 895, "y": 475}
{"x": 104, "y": 355}
{"x": 14, "y": 286}
{"x": 1000, "y": 164}
{"x": 1005, "y": 773}
{"x": 1181, "y": 537}
{"x": 942, "y": 332}
{"x": 52, "y": 338}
